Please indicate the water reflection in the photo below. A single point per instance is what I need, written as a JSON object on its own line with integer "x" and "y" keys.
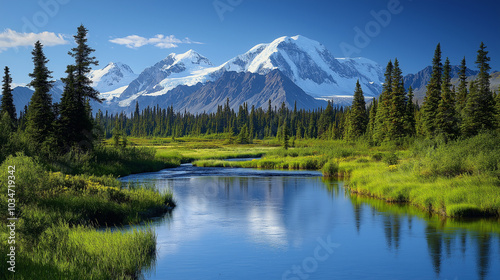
{"x": 445, "y": 238}
{"x": 239, "y": 224}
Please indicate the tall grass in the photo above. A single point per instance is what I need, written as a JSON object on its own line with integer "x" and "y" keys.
{"x": 456, "y": 179}
{"x": 57, "y": 213}
{"x": 64, "y": 252}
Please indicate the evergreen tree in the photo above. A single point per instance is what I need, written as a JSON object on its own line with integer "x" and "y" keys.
{"x": 446, "y": 122}
{"x": 410, "y": 121}
{"x": 480, "y": 108}
{"x": 372, "y": 117}
{"x": 5, "y": 135}
{"x": 358, "y": 119}
{"x": 382, "y": 117}
{"x": 243, "y": 137}
{"x": 116, "y": 135}
{"x": 397, "y": 104}
{"x": 69, "y": 113}
{"x": 461, "y": 99}
{"x": 286, "y": 136}
{"x": 432, "y": 96}
{"x": 324, "y": 120}
{"x": 7, "y": 98}
{"x": 483, "y": 83}
{"x": 40, "y": 112}
{"x": 82, "y": 89}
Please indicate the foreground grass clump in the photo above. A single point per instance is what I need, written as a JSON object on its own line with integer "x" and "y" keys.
{"x": 64, "y": 252}
{"x": 57, "y": 216}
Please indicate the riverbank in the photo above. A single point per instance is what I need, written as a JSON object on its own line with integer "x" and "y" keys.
{"x": 456, "y": 179}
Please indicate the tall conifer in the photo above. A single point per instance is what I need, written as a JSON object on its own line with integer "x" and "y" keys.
{"x": 480, "y": 108}
{"x": 7, "y": 103}
{"x": 40, "y": 111}
{"x": 410, "y": 118}
{"x": 446, "y": 122}
{"x": 461, "y": 99}
{"x": 397, "y": 104}
{"x": 433, "y": 95}
{"x": 358, "y": 119}
{"x": 381, "y": 120}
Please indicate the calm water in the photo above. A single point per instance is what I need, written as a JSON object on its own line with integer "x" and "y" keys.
{"x": 253, "y": 224}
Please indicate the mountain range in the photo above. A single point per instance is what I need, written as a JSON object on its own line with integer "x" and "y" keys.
{"x": 294, "y": 70}
{"x": 289, "y": 69}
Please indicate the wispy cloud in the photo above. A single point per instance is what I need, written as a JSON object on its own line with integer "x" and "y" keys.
{"x": 13, "y": 39}
{"x": 160, "y": 41}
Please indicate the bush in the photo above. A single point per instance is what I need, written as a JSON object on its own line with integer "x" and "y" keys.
{"x": 391, "y": 159}
{"x": 377, "y": 156}
{"x": 30, "y": 178}
{"x": 330, "y": 169}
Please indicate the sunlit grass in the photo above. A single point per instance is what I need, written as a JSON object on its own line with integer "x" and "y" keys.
{"x": 57, "y": 213}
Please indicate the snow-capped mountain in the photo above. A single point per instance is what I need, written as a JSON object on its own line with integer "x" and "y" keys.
{"x": 311, "y": 66}
{"x": 188, "y": 69}
{"x": 112, "y": 80}
{"x": 304, "y": 61}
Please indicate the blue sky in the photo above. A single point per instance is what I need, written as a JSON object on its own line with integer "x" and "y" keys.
{"x": 140, "y": 33}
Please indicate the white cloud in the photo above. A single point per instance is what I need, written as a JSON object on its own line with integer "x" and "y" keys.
{"x": 160, "y": 41}
{"x": 13, "y": 39}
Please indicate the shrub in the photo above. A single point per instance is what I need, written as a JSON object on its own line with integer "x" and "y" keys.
{"x": 377, "y": 156}
{"x": 330, "y": 169}
{"x": 390, "y": 159}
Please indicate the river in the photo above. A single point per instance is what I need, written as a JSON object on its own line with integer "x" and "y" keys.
{"x": 259, "y": 224}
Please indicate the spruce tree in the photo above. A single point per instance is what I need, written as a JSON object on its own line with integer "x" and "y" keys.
{"x": 371, "y": 117}
{"x": 381, "y": 120}
{"x": 69, "y": 113}
{"x": 483, "y": 83}
{"x": 324, "y": 120}
{"x": 82, "y": 89}
{"x": 461, "y": 98}
{"x": 410, "y": 118}
{"x": 243, "y": 137}
{"x": 397, "y": 104}
{"x": 432, "y": 96}
{"x": 40, "y": 111}
{"x": 358, "y": 119}
{"x": 446, "y": 122}
{"x": 479, "y": 112}
{"x": 7, "y": 103}
{"x": 285, "y": 136}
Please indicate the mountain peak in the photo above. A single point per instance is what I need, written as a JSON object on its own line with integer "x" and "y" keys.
{"x": 114, "y": 75}
{"x": 189, "y": 57}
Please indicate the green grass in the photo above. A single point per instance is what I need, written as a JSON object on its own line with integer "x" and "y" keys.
{"x": 108, "y": 160}
{"x": 457, "y": 179}
{"x": 57, "y": 216}
{"x": 64, "y": 252}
